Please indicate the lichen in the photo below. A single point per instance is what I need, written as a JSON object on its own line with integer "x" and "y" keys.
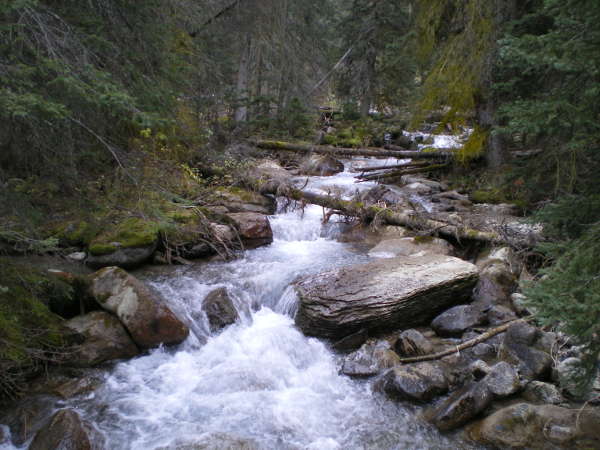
{"x": 474, "y": 147}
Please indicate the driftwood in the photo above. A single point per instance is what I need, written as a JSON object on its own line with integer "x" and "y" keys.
{"x": 405, "y": 218}
{"x": 470, "y": 343}
{"x": 342, "y": 151}
{"x": 399, "y": 173}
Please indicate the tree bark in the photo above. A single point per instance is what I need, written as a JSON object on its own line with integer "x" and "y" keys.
{"x": 241, "y": 112}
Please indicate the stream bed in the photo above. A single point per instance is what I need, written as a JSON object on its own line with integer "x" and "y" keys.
{"x": 260, "y": 383}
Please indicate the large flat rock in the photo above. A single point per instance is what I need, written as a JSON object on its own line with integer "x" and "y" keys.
{"x": 382, "y": 295}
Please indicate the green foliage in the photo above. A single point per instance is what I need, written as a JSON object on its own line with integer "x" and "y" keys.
{"x": 474, "y": 147}
{"x": 569, "y": 293}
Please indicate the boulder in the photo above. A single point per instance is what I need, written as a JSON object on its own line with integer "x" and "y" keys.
{"x": 433, "y": 186}
{"x": 519, "y": 348}
{"x": 382, "y": 194}
{"x": 268, "y": 169}
{"x": 67, "y": 430}
{"x": 540, "y": 427}
{"x": 418, "y": 382}
{"x": 193, "y": 247}
{"x": 462, "y": 406}
{"x": 408, "y": 246}
{"x": 412, "y": 343}
{"x": 382, "y": 295}
{"x": 498, "y": 314}
{"x": 105, "y": 339}
{"x": 569, "y": 373}
{"x": 503, "y": 380}
{"x": 321, "y": 166}
{"x": 254, "y": 229}
{"x": 219, "y": 309}
{"x": 238, "y": 200}
{"x": 499, "y": 272}
{"x": 127, "y": 244}
{"x": 27, "y": 417}
{"x": 371, "y": 359}
{"x": 143, "y": 312}
{"x": 456, "y": 320}
{"x": 540, "y": 392}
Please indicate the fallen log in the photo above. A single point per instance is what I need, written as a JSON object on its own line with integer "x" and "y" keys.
{"x": 391, "y": 166}
{"x": 342, "y": 151}
{"x": 399, "y": 173}
{"x": 406, "y": 218}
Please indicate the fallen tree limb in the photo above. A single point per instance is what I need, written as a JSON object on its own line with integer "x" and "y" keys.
{"x": 399, "y": 173}
{"x": 470, "y": 343}
{"x": 391, "y": 166}
{"x": 342, "y": 151}
{"x": 406, "y": 218}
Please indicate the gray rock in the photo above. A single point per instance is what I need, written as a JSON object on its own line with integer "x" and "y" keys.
{"x": 412, "y": 343}
{"x": 270, "y": 170}
{"x": 503, "y": 380}
{"x": 240, "y": 201}
{"x": 499, "y": 314}
{"x": 518, "y": 348}
{"x": 219, "y": 309}
{"x": 499, "y": 271}
{"x": 77, "y": 256}
{"x": 570, "y": 372}
{"x": 456, "y": 320}
{"x": 105, "y": 339}
{"x": 540, "y": 392}
{"x": 126, "y": 258}
{"x": 351, "y": 342}
{"x": 382, "y": 295}
{"x": 27, "y": 417}
{"x": 66, "y": 430}
{"x": 371, "y": 359}
{"x": 518, "y": 304}
{"x": 321, "y": 165}
{"x": 462, "y": 406}
{"x": 254, "y": 229}
{"x": 142, "y": 311}
{"x": 418, "y": 382}
{"x": 540, "y": 427}
{"x": 408, "y": 246}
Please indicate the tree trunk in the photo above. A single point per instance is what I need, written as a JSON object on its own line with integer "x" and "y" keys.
{"x": 241, "y": 112}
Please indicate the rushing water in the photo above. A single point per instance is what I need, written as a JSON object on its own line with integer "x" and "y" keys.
{"x": 260, "y": 380}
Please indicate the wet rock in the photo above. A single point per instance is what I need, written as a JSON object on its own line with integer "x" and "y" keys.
{"x": 382, "y": 295}
{"x": 499, "y": 271}
{"x": 351, "y": 342}
{"x": 66, "y": 430}
{"x": 411, "y": 245}
{"x": 214, "y": 441}
{"x": 503, "y": 380}
{"x": 105, "y": 339}
{"x": 462, "y": 406}
{"x": 371, "y": 359}
{"x": 518, "y": 348}
{"x": 219, "y": 309}
{"x": 540, "y": 392}
{"x": 540, "y": 427}
{"x": 456, "y": 320}
{"x": 27, "y": 417}
{"x": 418, "y": 382}
{"x": 270, "y": 170}
{"x": 382, "y": 194}
{"x": 321, "y": 166}
{"x": 143, "y": 312}
{"x": 254, "y": 228}
{"x": 412, "y": 343}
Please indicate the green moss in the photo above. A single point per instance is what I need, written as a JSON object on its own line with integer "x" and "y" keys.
{"x": 346, "y": 133}
{"x": 241, "y": 194}
{"x": 75, "y": 233}
{"x": 474, "y": 147}
{"x": 28, "y": 329}
{"x": 423, "y": 239}
{"x": 330, "y": 139}
{"x": 488, "y": 196}
{"x": 130, "y": 233}
{"x": 352, "y": 143}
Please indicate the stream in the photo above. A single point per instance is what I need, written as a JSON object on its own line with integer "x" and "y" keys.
{"x": 260, "y": 383}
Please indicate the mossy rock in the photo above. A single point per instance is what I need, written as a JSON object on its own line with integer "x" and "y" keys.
{"x": 75, "y": 233}
{"x": 240, "y": 200}
{"x": 492, "y": 196}
{"x": 130, "y": 233}
{"x": 31, "y": 334}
